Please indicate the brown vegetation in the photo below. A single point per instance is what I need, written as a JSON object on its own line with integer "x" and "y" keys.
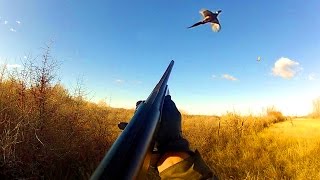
{"x": 223, "y": 142}
{"x": 46, "y": 132}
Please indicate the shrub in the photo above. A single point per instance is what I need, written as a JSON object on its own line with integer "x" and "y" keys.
{"x": 275, "y": 115}
{"x": 316, "y": 108}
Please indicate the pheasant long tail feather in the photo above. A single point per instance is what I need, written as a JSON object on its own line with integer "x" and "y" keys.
{"x": 196, "y": 24}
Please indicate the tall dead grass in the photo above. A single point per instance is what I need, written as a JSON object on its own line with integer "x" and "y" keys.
{"x": 248, "y": 147}
{"x": 48, "y": 133}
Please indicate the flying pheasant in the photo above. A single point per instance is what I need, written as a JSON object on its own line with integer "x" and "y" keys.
{"x": 209, "y": 17}
{"x": 259, "y": 58}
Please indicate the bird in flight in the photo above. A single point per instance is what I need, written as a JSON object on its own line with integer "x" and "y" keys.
{"x": 209, "y": 17}
{"x": 259, "y": 58}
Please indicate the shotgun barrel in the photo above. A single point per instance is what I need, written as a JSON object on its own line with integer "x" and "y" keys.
{"x": 129, "y": 156}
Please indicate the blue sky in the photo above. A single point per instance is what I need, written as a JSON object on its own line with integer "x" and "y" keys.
{"x": 121, "y": 48}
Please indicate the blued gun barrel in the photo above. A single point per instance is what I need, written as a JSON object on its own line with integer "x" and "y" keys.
{"x": 129, "y": 156}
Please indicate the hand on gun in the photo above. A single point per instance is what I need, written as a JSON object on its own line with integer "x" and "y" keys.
{"x": 173, "y": 157}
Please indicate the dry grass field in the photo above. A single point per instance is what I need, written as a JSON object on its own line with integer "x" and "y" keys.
{"x": 285, "y": 150}
{"x": 47, "y": 132}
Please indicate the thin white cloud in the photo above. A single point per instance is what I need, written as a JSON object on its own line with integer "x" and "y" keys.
{"x": 213, "y": 76}
{"x": 5, "y": 22}
{"x": 119, "y": 81}
{"x": 133, "y": 82}
{"x": 285, "y": 68}
{"x": 13, "y": 66}
{"x": 13, "y": 30}
{"x": 312, "y": 77}
{"x": 18, "y": 22}
{"x": 136, "y": 82}
{"x": 229, "y": 77}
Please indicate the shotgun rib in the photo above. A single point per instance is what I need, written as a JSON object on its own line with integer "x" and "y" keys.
{"x": 129, "y": 156}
